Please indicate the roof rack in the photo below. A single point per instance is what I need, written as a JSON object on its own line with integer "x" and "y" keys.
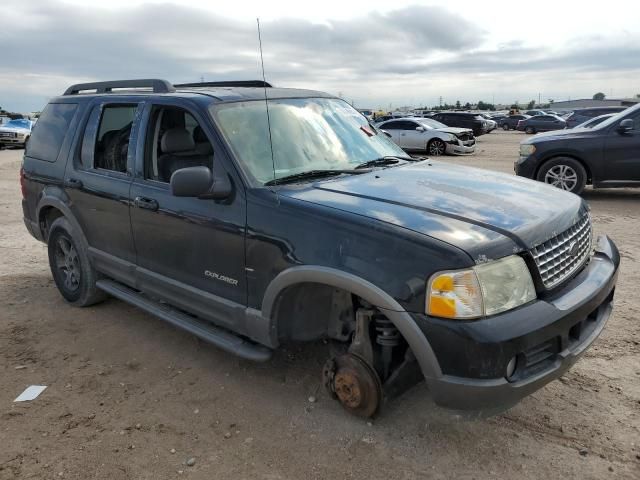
{"x": 229, "y": 83}
{"x": 157, "y": 85}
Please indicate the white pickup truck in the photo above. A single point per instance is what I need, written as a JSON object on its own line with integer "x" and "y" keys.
{"x": 15, "y": 132}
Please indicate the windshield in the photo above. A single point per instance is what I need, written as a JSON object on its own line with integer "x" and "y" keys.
{"x": 431, "y": 124}
{"x": 18, "y": 124}
{"x": 307, "y": 134}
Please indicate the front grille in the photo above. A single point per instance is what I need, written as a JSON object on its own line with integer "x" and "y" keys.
{"x": 8, "y": 134}
{"x": 558, "y": 258}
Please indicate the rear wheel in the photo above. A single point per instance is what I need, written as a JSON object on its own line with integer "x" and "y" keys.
{"x": 436, "y": 147}
{"x": 530, "y": 130}
{"x": 564, "y": 173}
{"x": 70, "y": 266}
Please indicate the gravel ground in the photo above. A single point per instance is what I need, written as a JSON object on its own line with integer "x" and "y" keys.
{"x": 130, "y": 397}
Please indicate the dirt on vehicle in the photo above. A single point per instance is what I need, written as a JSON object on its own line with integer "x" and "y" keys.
{"x": 128, "y": 396}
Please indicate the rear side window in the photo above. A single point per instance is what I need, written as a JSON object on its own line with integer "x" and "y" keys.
{"x": 50, "y": 131}
{"x": 112, "y": 141}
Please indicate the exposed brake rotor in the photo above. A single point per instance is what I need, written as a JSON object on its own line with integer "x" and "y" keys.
{"x": 354, "y": 384}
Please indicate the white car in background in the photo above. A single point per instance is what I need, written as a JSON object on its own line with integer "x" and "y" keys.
{"x": 426, "y": 134}
{"x": 15, "y": 132}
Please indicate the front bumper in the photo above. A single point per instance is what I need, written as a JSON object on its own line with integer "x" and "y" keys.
{"x": 12, "y": 141}
{"x": 459, "y": 148}
{"x": 525, "y": 166}
{"x": 546, "y": 337}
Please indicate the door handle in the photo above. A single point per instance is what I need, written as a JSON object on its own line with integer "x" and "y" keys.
{"x": 74, "y": 183}
{"x": 146, "y": 203}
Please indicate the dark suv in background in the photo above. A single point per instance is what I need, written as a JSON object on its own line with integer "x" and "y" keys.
{"x": 472, "y": 121}
{"x": 583, "y": 114}
{"x": 606, "y": 155}
{"x": 252, "y": 227}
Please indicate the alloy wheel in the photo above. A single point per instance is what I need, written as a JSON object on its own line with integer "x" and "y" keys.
{"x": 68, "y": 264}
{"x": 436, "y": 148}
{"x": 562, "y": 176}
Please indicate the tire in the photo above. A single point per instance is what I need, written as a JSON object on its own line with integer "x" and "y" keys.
{"x": 505, "y": 127}
{"x": 72, "y": 271}
{"x": 564, "y": 173}
{"x": 436, "y": 147}
{"x": 529, "y": 130}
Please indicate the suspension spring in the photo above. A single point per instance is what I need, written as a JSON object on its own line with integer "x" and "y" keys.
{"x": 387, "y": 335}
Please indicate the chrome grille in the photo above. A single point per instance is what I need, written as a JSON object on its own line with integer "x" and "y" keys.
{"x": 561, "y": 256}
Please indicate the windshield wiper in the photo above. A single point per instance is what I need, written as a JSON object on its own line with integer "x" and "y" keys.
{"x": 310, "y": 174}
{"x": 388, "y": 160}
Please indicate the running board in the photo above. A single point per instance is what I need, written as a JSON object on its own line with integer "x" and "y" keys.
{"x": 222, "y": 339}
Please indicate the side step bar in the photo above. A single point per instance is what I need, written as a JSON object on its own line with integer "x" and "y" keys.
{"x": 206, "y": 331}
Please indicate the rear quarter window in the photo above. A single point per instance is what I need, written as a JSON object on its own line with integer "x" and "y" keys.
{"x": 50, "y": 130}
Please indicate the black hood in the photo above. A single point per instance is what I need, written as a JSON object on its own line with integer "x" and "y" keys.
{"x": 487, "y": 214}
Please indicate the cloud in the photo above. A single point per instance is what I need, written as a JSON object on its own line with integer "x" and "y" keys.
{"x": 375, "y": 57}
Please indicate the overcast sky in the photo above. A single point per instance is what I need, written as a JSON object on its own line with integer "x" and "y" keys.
{"x": 376, "y": 53}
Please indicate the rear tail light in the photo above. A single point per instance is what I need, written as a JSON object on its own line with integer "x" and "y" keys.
{"x": 23, "y": 183}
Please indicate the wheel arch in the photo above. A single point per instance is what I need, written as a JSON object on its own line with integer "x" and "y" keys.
{"x": 365, "y": 290}
{"x": 50, "y": 207}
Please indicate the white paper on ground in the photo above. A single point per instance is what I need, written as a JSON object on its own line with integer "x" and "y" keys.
{"x": 30, "y": 393}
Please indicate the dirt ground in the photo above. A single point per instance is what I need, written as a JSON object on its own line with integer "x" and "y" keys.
{"x": 131, "y": 397}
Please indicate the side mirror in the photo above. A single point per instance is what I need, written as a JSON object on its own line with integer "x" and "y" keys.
{"x": 199, "y": 182}
{"x": 386, "y": 133}
{"x": 420, "y": 129}
{"x": 626, "y": 126}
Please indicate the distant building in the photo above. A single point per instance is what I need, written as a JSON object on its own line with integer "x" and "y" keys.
{"x": 588, "y": 102}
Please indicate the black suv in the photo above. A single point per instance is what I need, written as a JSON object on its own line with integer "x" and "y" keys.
{"x": 251, "y": 226}
{"x": 472, "y": 121}
{"x": 583, "y": 114}
{"x": 607, "y": 155}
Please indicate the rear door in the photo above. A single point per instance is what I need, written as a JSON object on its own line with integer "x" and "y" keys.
{"x": 190, "y": 251}
{"x": 98, "y": 180}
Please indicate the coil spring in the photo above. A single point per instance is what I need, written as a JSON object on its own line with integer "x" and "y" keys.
{"x": 387, "y": 334}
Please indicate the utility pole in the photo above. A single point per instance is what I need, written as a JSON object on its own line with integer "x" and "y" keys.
{"x": 539, "y": 96}
{"x": 440, "y": 101}
{"x": 201, "y": 78}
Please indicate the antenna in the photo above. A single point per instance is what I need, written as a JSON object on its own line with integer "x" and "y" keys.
{"x": 266, "y": 100}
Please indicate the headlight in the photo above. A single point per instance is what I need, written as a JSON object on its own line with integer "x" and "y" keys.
{"x": 527, "y": 149}
{"x": 483, "y": 290}
{"x": 453, "y": 138}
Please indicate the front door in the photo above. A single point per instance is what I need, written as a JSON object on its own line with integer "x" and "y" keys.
{"x": 622, "y": 153}
{"x": 190, "y": 251}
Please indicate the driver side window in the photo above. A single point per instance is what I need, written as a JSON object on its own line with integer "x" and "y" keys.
{"x": 174, "y": 140}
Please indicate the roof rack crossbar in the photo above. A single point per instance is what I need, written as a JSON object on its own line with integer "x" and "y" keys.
{"x": 158, "y": 86}
{"x": 227, "y": 83}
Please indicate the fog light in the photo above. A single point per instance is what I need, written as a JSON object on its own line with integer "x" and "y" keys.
{"x": 511, "y": 367}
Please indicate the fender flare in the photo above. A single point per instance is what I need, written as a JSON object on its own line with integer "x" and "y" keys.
{"x": 51, "y": 199}
{"x": 379, "y": 298}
